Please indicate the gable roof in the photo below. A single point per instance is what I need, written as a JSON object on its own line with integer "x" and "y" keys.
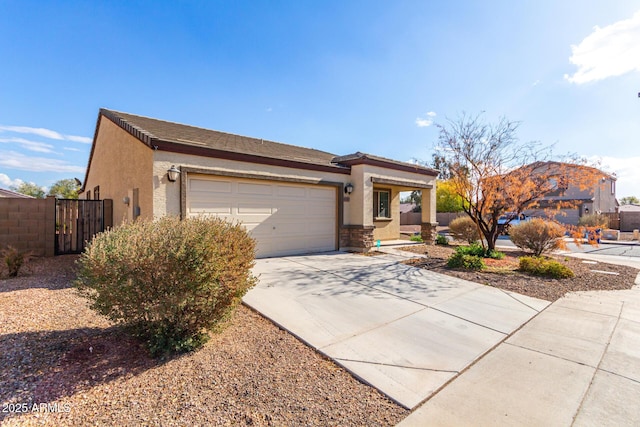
{"x": 359, "y": 158}
{"x": 12, "y": 194}
{"x": 170, "y": 136}
{"x": 179, "y": 138}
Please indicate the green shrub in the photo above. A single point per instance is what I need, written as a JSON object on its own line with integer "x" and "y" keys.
{"x": 169, "y": 280}
{"x": 14, "y": 259}
{"x": 474, "y": 249}
{"x": 538, "y": 236}
{"x": 442, "y": 240}
{"x": 594, "y": 220}
{"x": 493, "y": 254}
{"x": 464, "y": 229}
{"x": 545, "y": 267}
{"x": 416, "y": 238}
{"x": 468, "y": 262}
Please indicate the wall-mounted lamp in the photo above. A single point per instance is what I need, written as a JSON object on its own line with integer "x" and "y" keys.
{"x": 348, "y": 189}
{"x": 125, "y": 200}
{"x": 173, "y": 173}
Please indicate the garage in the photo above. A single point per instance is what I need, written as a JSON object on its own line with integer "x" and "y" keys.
{"x": 284, "y": 218}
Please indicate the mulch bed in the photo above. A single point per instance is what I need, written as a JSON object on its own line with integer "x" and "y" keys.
{"x": 503, "y": 273}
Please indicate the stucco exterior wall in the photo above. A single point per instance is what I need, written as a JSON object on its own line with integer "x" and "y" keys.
{"x": 388, "y": 229}
{"x": 167, "y": 195}
{"x": 362, "y": 198}
{"x": 121, "y": 164}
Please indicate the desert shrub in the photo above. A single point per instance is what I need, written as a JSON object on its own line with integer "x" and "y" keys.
{"x": 416, "y": 238}
{"x": 442, "y": 240}
{"x": 14, "y": 259}
{"x": 464, "y": 229}
{"x": 468, "y": 262}
{"x": 494, "y": 254}
{"x": 538, "y": 236}
{"x": 467, "y": 257}
{"x": 168, "y": 281}
{"x": 594, "y": 220}
{"x": 545, "y": 267}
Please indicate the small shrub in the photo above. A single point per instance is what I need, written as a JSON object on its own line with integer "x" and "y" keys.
{"x": 474, "y": 249}
{"x": 538, "y": 236}
{"x": 168, "y": 281}
{"x": 14, "y": 259}
{"x": 594, "y": 220}
{"x": 416, "y": 238}
{"x": 442, "y": 240}
{"x": 539, "y": 266}
{"x": 468, "y": 262}
{"x": 464, "y": 229}
{"x": 493, "y": 254}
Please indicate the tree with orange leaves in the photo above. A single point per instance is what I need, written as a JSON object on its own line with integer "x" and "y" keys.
{"x": 494, "y": 173}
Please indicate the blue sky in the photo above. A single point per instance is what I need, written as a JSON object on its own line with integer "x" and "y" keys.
{"x": 340, "y": 76}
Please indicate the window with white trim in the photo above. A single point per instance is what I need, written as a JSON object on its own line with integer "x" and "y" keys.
{"x": 381, "y": 204}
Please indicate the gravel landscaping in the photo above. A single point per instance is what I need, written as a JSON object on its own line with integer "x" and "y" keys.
{"x": 589, "y": 276}
{"x": 54, "y": 350}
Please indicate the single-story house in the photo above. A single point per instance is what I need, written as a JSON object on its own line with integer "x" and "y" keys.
{"x": 292, "y": 199}
{"x": 12, "y": 194}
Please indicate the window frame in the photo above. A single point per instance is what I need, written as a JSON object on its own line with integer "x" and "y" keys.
{"x": 376, "y": 204}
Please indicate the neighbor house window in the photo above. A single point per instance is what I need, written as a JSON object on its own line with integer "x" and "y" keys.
{"x": 96, "y": 192}
{"x": 381, "y": 205}
{"x": 613, "y": 187}
{"x": 88, "y": 195}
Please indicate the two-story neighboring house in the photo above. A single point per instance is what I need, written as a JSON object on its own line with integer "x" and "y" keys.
{"x": 577, "y": 190}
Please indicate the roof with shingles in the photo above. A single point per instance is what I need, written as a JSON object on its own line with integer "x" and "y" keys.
{"x": 151, "y": 131}
{"x": 13, "y": 195}
{"x": 178, "y": 137}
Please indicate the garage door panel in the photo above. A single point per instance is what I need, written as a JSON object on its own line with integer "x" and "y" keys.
{"x": 207, "y": 186}
{"x": 284, "y": 219}
{"x": 322, "y": 193}
{"x": 289, "y": 191}
{"x": 256, "y": 189}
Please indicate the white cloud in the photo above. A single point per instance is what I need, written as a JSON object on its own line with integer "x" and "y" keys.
{"x": 82, "y": 139}
{"x": 426, "y": 121}
{"x": 39, "y": 147}
{"x": 627, "y": 172}
{"x": 6, "y": 182}
{"x": 607, "y": 52}
{"x": 14, "y": 160}
{"x": 71, "y": 149}
{"x": 46, "y": 133}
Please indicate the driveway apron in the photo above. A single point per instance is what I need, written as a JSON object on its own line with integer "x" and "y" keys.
{"x": 404, "y": 330}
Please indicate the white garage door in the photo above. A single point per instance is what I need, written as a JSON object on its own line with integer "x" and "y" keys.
{"x": 284, "y": 218}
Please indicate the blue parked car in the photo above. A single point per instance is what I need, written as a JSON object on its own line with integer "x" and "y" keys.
{"x": 510, "y": 218}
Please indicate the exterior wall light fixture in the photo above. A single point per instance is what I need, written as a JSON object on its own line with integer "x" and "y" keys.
{"x": 348, "y": 189}
{"x": 173, "y": 173}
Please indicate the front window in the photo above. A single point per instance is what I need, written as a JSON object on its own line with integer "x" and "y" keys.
{"x": 381, "y": 204}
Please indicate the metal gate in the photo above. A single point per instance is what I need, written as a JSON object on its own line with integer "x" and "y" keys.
{"x": 77, "y": 221}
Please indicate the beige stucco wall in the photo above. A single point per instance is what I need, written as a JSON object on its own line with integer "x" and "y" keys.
{"x": 362, "y": 198}
{"x": 388, "y": 229}
{"x": 167, "y": 193}
{"x": 120, "y": 164}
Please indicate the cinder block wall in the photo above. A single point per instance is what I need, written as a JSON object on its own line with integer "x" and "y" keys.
{"x": 629, "y": 221}
{"x": 28, "y": 225}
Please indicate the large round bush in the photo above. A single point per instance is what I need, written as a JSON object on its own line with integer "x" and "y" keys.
{"x": 464, "y": 229}
{"x": 168, "y": 280}
{"x": 538, "y": 236}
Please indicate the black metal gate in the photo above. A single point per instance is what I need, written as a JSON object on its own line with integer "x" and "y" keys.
{"x": 77, "y": 221}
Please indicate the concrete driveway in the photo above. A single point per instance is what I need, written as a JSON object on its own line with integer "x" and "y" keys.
{"x": 404, "y": 330}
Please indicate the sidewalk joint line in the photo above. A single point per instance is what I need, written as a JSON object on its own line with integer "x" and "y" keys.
{"x": 397, "y": 366}
{"x": 584, "y": 397}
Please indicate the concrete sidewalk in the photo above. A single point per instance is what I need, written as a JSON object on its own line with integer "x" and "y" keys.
{"x": 405, "y": 331}
{"x": 576, "y": 363}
